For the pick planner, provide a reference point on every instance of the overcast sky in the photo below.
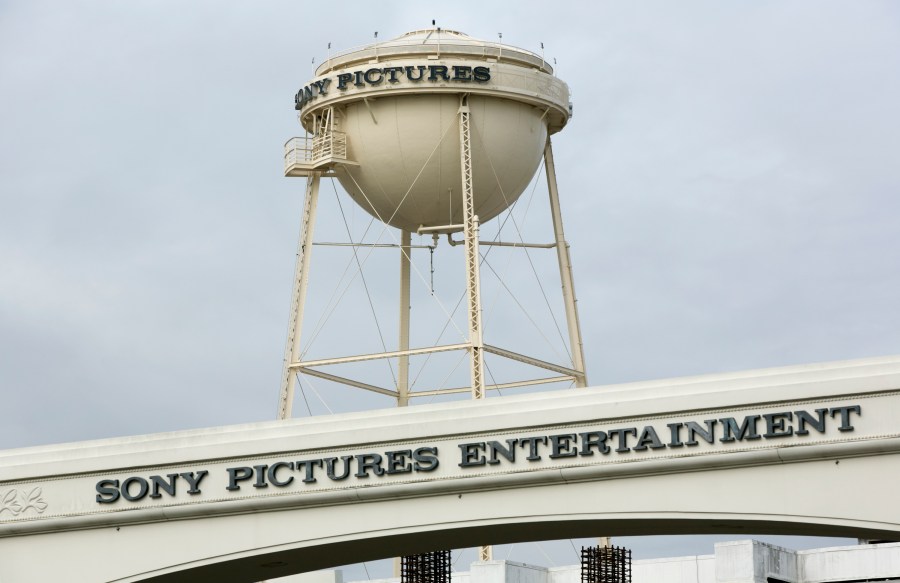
(729, 186)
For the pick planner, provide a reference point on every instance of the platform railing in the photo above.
(297, 151)
(312, 150)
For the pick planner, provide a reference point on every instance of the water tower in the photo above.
(433, 132)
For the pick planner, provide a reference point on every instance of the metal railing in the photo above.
(441, 41)
(310, 150)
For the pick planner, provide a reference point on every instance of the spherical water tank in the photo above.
(393, 109)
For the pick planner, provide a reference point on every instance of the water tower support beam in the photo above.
(403, 364)
(565, 271)
(473, 260)
(470, 233)
(298, 297)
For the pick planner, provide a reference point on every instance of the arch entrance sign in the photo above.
(802, 450)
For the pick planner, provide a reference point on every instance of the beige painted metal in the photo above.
(403, 344)
(473, 261)
(407, 173)
(532, 361)
(298, 297)
(434, 43)
(565, 272)
(350, 382)
(320, 150)
(773, 485)
(399, 136)
(473, 257)
(497, 386)
(403, 361)
(377, 355)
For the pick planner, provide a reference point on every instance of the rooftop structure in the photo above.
(745, 561)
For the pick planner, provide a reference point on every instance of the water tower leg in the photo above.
(565, 271)
(473, 259)
(486, 553)
(298, 297)
(403, 365)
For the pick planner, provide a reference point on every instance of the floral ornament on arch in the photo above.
(20, 501)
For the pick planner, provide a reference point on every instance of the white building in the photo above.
(746, 561)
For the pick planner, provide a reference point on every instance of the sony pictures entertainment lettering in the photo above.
(526, 449)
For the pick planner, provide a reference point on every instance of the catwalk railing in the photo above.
(310, 150)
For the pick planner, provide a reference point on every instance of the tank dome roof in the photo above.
(426, 33)
(434, 42)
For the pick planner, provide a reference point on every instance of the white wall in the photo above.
(856, 562)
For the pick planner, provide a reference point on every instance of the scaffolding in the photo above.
(605, 565)
(433, 567)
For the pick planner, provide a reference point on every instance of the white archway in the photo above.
(803, 450)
